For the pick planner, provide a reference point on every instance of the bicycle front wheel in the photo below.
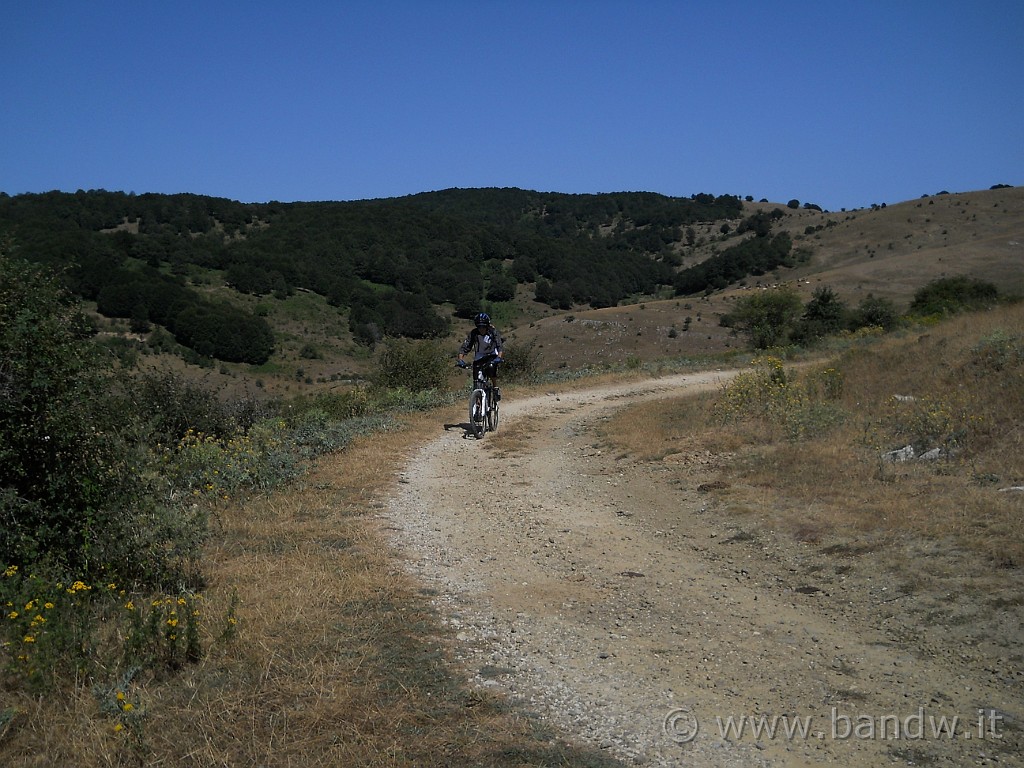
(477, 414)
(474, 407)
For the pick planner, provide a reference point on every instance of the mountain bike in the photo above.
(483, 400)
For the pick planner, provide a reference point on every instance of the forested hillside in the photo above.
(390, 263)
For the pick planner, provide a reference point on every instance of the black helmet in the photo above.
(483, 319)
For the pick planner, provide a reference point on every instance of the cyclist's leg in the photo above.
(493, 375)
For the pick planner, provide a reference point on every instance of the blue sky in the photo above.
(843, 104)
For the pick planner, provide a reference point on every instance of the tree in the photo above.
(225, 333)
(140, 319)
(875, 312)
(824, 315)
(766, 316)
(502, 288)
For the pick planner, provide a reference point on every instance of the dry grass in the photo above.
(337, 660)
(835, 486)
(889, 252)
(514, 440)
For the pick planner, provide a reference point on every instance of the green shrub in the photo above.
(176, 405)
(997, 351)
(413, 365)
(926, 422)
(949, 295)
(767, 317)
(874, 312)
(522, 362)
(74, 486)
(200, 465)
(824, 315)
(53, 629)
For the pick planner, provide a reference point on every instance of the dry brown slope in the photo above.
(889, 252)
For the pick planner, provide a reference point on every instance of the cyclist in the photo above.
(487, 346)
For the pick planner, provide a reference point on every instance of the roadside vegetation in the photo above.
(873, 439)
(183, 583)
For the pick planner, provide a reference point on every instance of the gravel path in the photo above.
(619, 607)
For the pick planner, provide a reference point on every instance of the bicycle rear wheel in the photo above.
(492, 416)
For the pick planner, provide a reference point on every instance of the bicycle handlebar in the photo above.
(483, 361)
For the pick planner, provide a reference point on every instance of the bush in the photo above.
(74, 490)
(201, 465)
(801, 406)
(176, 406)
(225, 333)
(998, 351)
(522, 362)
(824, 315)
(413, 365)
(949, 295)
(873, 312)
(55, 629)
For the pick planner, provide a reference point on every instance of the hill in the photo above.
(889, 252)
(289, 297)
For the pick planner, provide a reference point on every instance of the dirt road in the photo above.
(611, 599)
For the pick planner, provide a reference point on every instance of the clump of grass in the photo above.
(801, 404)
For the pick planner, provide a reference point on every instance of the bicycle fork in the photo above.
(478, 410)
